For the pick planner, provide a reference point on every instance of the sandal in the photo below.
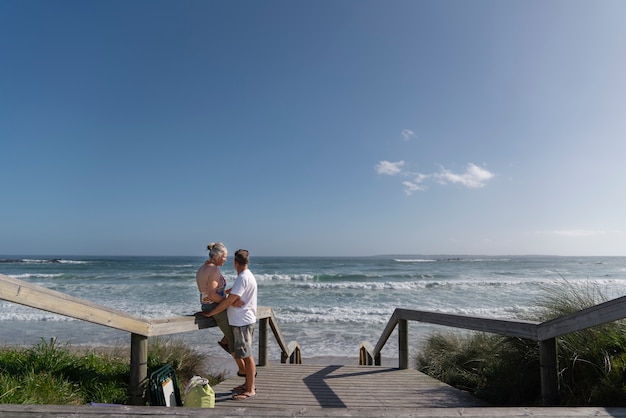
(242, 396)
(240, 389)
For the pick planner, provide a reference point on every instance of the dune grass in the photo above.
(52, 373)
(505, 370)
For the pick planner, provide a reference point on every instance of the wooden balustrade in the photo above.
(545, 333)
(34, 296)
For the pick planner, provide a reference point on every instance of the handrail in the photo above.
(602, 313)
(543, 332)
(39, 297)
(512, 328)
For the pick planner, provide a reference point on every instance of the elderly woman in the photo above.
(212, 287)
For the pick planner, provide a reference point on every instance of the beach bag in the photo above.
(199, 394)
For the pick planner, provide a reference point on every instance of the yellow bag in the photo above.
(199, 394)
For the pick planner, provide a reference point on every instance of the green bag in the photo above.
(199, 394)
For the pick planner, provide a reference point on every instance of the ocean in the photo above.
(328, 304)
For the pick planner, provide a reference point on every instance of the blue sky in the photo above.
(313, 127)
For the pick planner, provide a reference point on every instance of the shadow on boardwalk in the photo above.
(326, 391)
(341, 386)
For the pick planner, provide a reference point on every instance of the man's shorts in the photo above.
(243, 340)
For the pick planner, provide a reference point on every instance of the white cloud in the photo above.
(415, 185)
(474, 177)
(410, 187)
(388, 168)
(407, 134)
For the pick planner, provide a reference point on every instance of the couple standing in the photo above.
(234, 310)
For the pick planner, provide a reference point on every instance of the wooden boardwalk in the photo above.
(312, 386)
(326, 391)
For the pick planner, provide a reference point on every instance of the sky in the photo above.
(313, 128)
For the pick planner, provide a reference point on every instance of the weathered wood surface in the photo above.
(340, 386)
(39, 297)
(28, 294)
(513, 328)
(326, 391)
(55, 411)
(602, 313)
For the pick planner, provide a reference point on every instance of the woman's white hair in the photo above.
(216, 248)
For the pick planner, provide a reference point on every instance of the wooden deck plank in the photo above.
(340, 386)
(68, 411)
(289, 390)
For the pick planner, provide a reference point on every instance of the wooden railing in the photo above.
(545, 333)
(34, 296)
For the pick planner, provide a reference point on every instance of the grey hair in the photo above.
(216, 248)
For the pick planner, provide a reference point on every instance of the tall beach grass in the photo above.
(53, 373)
(505, 370)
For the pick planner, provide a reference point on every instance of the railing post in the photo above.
(403, 343)
(365, 355)
(549, 372)
(138, 369)
(263, 341)
(296, 354)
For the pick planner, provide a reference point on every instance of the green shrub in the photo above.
(49, 373)
(186, 361)
(496, 369)
(505, 370)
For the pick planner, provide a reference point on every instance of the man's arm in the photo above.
(223, 305)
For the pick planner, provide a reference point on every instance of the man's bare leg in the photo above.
(241, 366)
(248, 389)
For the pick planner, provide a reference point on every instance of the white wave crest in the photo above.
(333, 314)
(414, 260)
(8, 315)
(284, 277)
(51, 261)
(432, 260)
(34, 276)
(72, 262)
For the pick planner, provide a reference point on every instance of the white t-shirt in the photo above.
(245, 288)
